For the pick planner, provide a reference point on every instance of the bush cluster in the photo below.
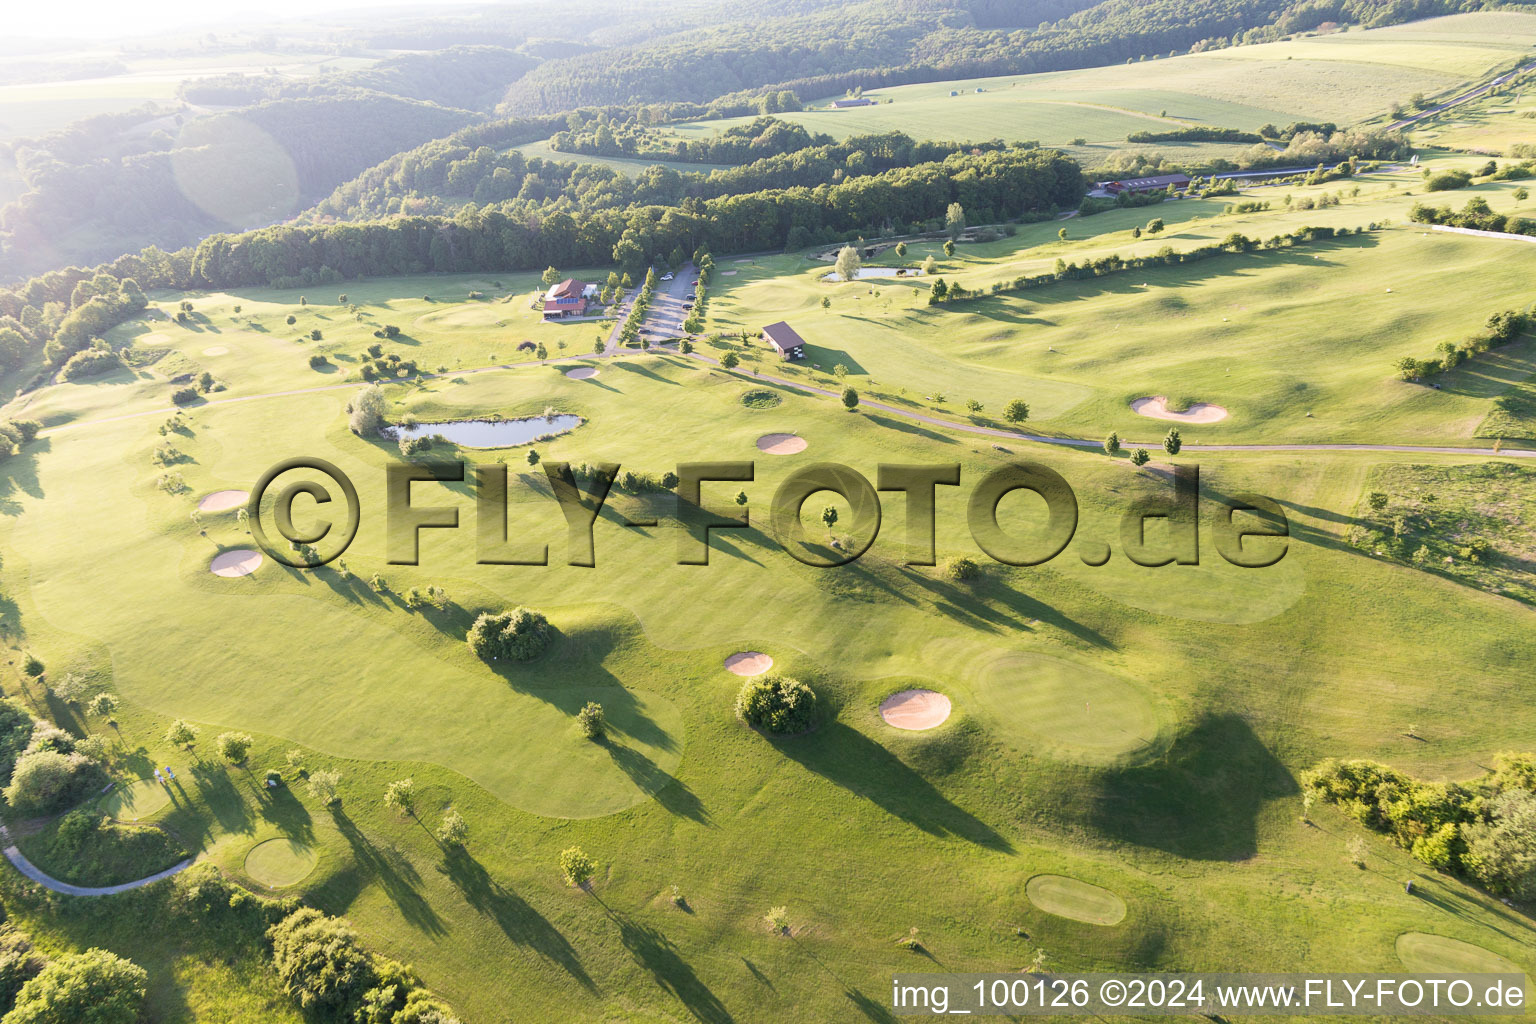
(1484, 830)
(777, 704)
(1500, 329)
(519, 635)
(1115, 263)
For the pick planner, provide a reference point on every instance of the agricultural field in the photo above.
(31, 109)
(1495, 124)
(555, 760)
(1343, 77)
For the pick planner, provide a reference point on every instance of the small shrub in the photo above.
(322, 786)
(453, 831)
(234, 746)
(590, 719)
(577, 867)
(961, 569)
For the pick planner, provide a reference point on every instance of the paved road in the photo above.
(1483, 234)
(1470, 94)
(33, 872)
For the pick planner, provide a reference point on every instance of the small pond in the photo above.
(491, 433)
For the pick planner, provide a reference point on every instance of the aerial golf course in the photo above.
(1086, 764)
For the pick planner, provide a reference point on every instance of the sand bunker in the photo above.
(1157, 409)
(215, 350)
(728, 273)
(223, 501)
(915, 709)
(582, 373)
(781, 444)
(239, 562)
(748, 663)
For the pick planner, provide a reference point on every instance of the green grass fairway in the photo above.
(1070, 712)
(1141, 727)
(1344, 77)
(1075, 900)
(135, 801)
(280, 863)
(1439, 954)
(1298, 344)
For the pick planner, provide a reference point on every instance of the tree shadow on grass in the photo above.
(657, 954)
(667, 790)
(909, 427)
(518, 921)
(1200, 800)
(393, 872)
(850, 759)
(279, 806)
(218, 793)
(995, 604)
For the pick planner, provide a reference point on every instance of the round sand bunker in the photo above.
(582, 373)
(781, 444)
(231, 564)
(915, 709)
(215, 350)
(748, 663)
(223, 501)
(1157, 408)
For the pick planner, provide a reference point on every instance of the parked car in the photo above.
(666, 277)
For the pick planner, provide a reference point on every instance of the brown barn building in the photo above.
(784, 339)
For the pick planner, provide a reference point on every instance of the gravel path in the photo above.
(33, 872)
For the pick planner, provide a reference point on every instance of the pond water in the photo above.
(865, 272)
(491, 433)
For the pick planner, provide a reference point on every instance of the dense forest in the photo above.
(438, 177)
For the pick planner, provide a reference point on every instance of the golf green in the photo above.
(1066, 711)
(1075, 900)
(136, 801)
(279, 863)
(1439, 954)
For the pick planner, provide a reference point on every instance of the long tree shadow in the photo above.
(218, 792)
(1200, 800)
(668, 790)
(518, 921)
(657, 954)
(393, 872)
(278, 805)
(850, 759)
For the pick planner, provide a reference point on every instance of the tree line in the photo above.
(1104, 266)
(55, 313)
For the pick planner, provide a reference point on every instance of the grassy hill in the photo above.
(1344, 77)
